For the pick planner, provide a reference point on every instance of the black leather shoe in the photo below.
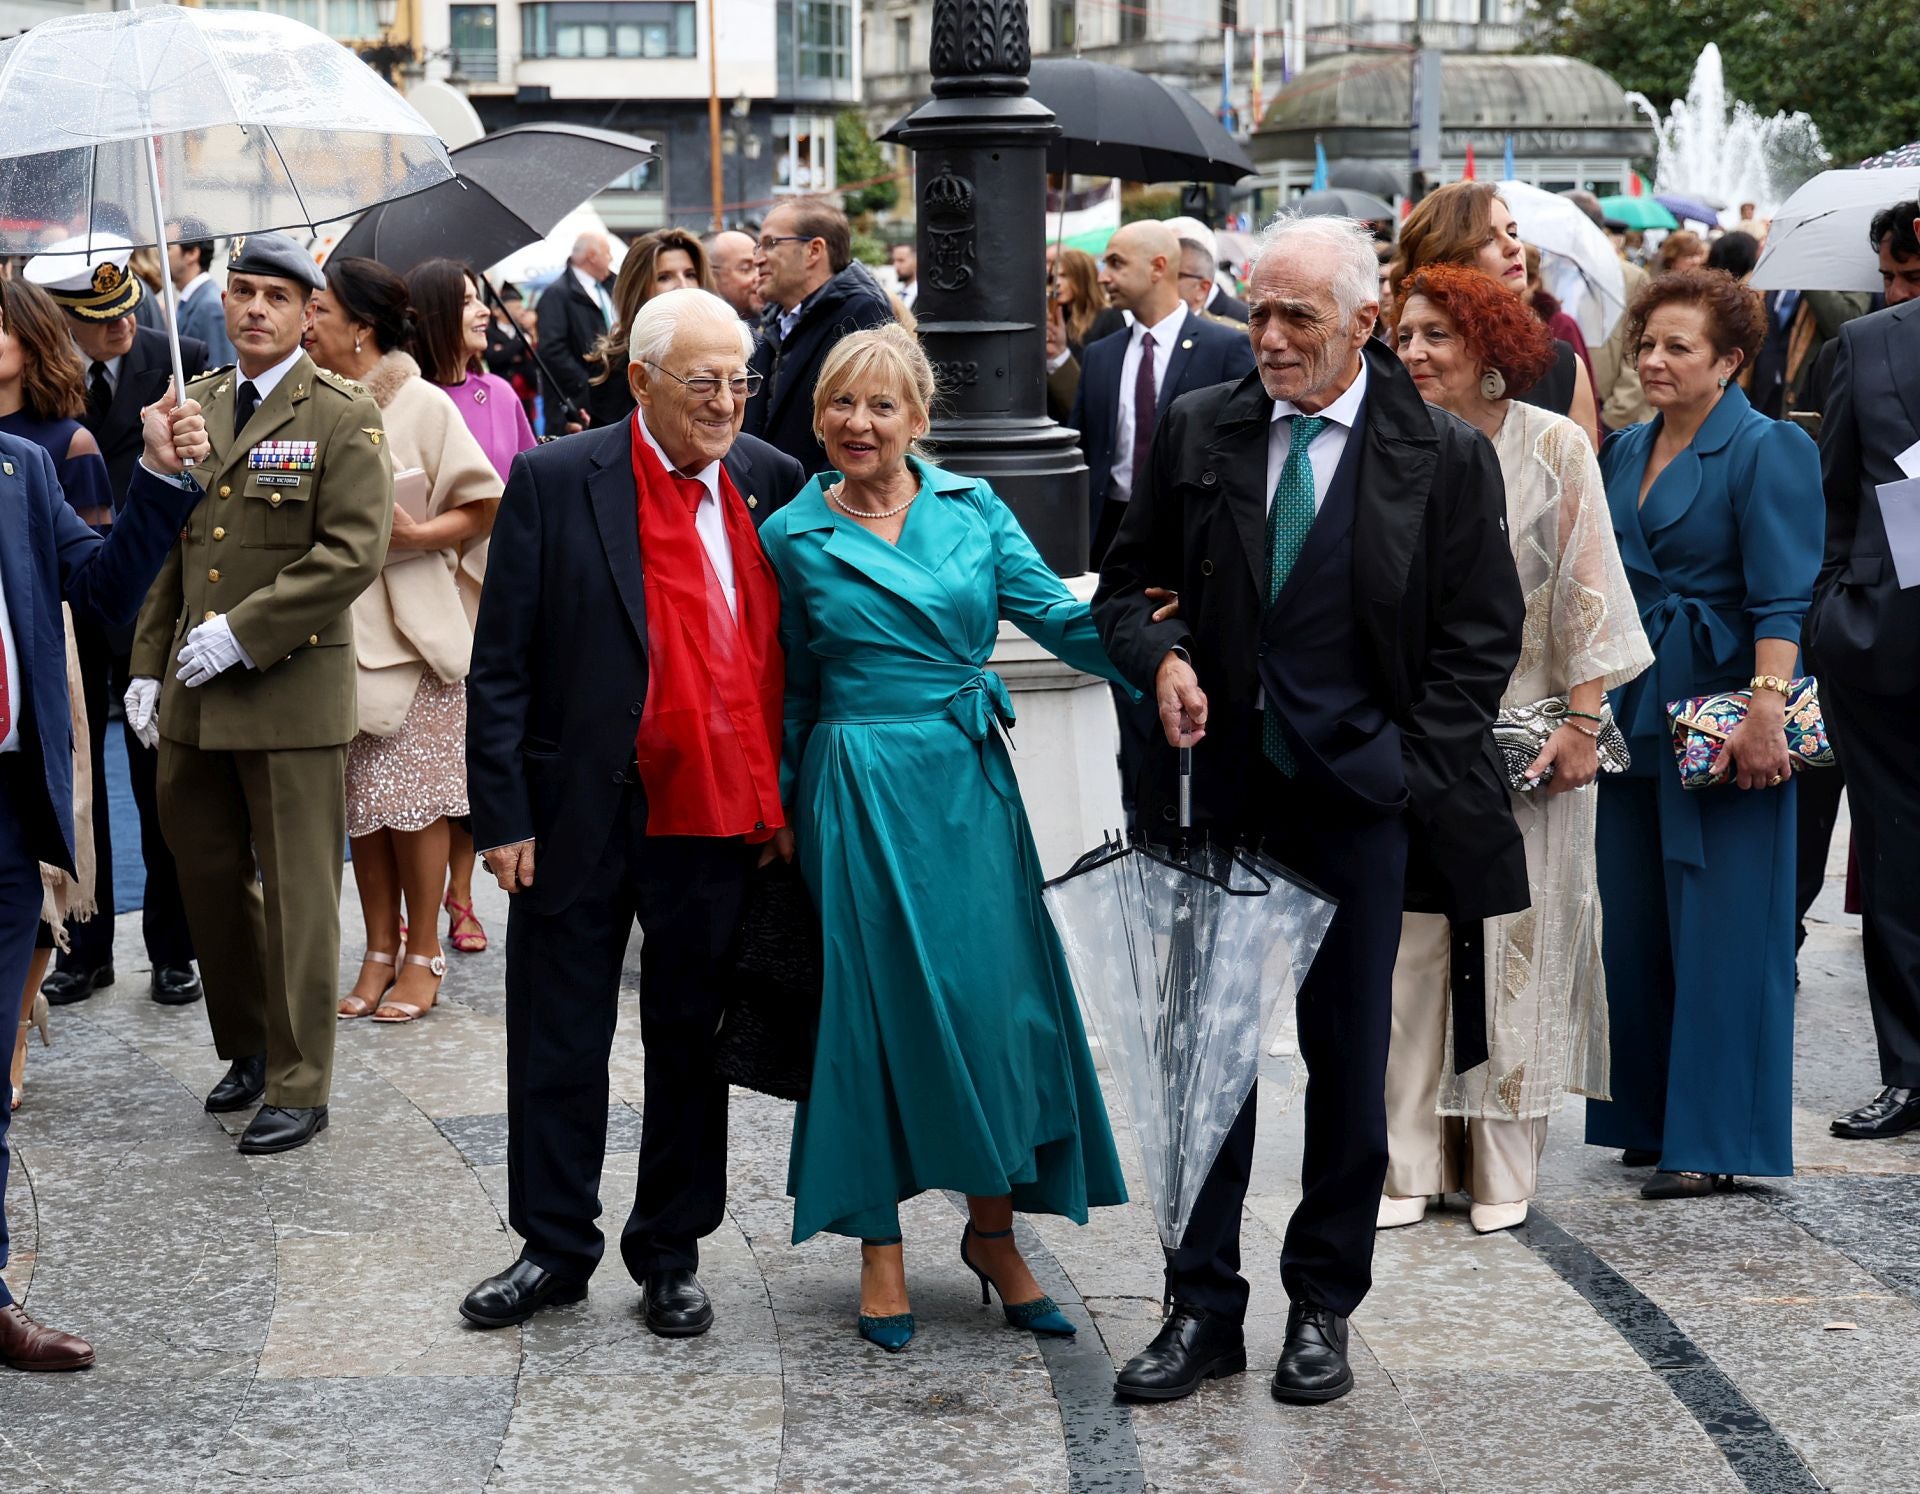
(245, 1084)
(175, 985)
(1313, 1364)
(516, 1294)
(281, 1128)
(1191, 1346)
(1686, 1184)
(677, 1305)
(1635, 1157)
(64, 987)
(1894, 1113)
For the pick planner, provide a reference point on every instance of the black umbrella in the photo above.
(1341, 202)
(1116, 122)
(510, 190)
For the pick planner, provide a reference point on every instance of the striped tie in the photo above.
(1289, 517)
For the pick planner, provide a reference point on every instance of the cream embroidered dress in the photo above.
(1546, 990)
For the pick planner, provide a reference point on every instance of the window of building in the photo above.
(1229, 12)
(1133, 20)
(608, 28)
(823, 39)
(1062, 12)
(803, 153)
(344, 20)
(903, 44)
(476, 42)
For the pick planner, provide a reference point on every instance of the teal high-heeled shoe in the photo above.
(1038, 1316)
(894, 1331)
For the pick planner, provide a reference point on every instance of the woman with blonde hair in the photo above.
(950, 1050)
(666, 259)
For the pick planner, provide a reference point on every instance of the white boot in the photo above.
(1487, 1219)
(1396, 1212)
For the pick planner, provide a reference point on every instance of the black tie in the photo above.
(99, 392)
(244, 404)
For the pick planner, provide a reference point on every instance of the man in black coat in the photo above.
(128, 367)
(1349, 617)
(574, 314)
(559, 682)
(1863, 642)
(816, 293)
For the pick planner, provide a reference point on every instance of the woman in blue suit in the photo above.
(1717, 511)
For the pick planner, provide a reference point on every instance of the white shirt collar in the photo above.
(265, 383)
(1166, 329)
(203, 278)
(113, 365)
(587, 283)
(708, 476)
(1342, 412)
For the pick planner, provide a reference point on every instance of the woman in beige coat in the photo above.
(413, 637)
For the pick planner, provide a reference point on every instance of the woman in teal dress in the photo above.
(1719, 518)
(951, 1053)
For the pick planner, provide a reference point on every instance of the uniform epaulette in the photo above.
(341, 382)
(210, 374)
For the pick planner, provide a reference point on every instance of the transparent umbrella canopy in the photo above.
(238, 119)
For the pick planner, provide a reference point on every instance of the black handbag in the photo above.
(773, 979)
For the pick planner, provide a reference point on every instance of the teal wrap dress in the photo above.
(951, 1053)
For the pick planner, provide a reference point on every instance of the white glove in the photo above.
(143, 705)
(210, 649)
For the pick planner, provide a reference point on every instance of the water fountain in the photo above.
(1724, 150)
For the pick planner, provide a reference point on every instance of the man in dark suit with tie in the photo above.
(128, 368)
(1127, 381)
(1863, 642)
(574, 315)
(199, 302)
(565, 688)
(1349, 617)
(48, 556)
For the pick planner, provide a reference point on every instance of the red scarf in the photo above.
(709, 739)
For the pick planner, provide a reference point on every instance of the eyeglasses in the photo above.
(706, 386)
(1203, 279)
(769, 242)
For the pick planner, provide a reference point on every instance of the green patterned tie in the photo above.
(1289, 517)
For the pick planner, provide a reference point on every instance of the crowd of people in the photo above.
(1416, 573)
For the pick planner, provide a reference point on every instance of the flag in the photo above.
(1319, 166)
(1467, 175)
(1506, 168)
(1226, 77)
(1255, 103)
(1635, 187)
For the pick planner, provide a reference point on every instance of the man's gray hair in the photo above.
(587, 242)
(1356, 272)
(660, 321)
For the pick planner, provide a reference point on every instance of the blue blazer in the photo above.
(204, 319)
(1205, 353)
(47, 556)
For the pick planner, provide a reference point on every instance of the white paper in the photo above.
(1900, 517)
(1909, 460)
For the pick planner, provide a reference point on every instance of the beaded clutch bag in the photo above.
(1702, 725)
(1521, 732)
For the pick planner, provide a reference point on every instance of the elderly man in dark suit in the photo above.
(128, 368)
(1863, 641)
(566, 688)
(1348, 618)
(48, 556)
(574, 313)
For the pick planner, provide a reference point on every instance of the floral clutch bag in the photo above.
(1521, 732)
(1702, 725)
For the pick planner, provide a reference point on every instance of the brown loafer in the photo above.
(25, 1345)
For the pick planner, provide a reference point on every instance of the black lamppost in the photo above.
(390, 56)
(979, 148)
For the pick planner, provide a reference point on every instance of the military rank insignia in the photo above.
(283, 456)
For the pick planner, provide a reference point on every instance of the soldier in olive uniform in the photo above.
(246, 645)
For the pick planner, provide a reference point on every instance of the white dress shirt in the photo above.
(15, 705)
(265, 383)
(1165, 331)
(1325, 450)
(709, 520)
(111, 368)
(596, 292)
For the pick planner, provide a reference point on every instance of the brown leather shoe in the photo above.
(25, 1345)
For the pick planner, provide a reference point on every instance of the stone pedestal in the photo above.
(1065, 744)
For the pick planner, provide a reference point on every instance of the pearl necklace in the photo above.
(833, 496)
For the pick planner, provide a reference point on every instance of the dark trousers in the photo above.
(1816, 811)
(163, 915)
(20, 896)
(1345, 1011)
(91, 946)
(563, 984)
(1875, 734)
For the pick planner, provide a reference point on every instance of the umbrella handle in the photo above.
(168, 293)
(567, 406)
(1186, 788)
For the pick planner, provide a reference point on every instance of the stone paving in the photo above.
(289, 1322)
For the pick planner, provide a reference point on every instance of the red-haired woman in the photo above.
(1467, 341)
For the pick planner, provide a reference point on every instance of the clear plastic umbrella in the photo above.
(1180, 957)
(241, 119)
(1578, 262)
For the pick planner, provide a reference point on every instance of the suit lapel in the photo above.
(16, 567)
(1899, 344)
(1333, 520)
(130, 395)
(1237, 460)
(1399, 456)
(1177, 362)
(1623, 500)
(616, 512)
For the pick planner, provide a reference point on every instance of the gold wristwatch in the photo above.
(1770, 682)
